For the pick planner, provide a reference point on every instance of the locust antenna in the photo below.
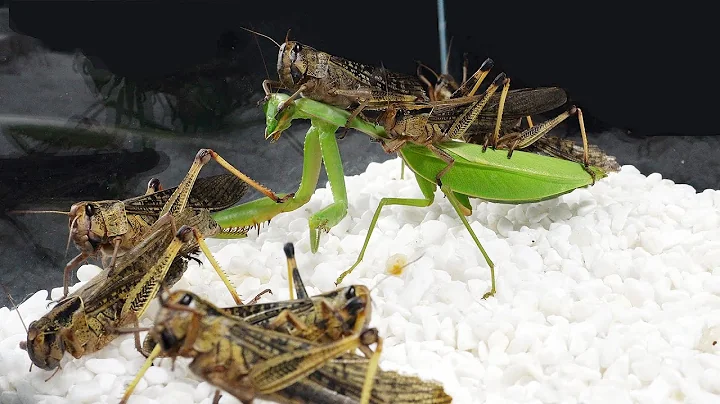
(262, 57)
(23, 344)
(21, 212)
(262, 35)
(15, 306)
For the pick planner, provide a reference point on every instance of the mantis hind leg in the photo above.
(427, 189)
(459, 209)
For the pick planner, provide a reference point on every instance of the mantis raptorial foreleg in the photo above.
(320, 144)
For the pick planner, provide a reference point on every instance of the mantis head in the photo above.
(276, 120)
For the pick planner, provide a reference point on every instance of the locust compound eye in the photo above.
(295, 52)
(167, 339)
(350, 293)
(354, 306)
(186, 300)
(89, 210)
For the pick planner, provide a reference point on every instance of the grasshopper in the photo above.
(339, 82)
(503, 114)
(87, 320)
(249, 361)
(112, 227)
(324, 318)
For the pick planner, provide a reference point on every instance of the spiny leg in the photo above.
(148, 362)
(532, 134)
(498, 121)
(462, 123)
(352, 116)
(479, 76)
(206, 250)
(373, 367)
(586, 153)
(178, 200)
(427, 189)
(444, 156)
(290, 100)
(459, 209)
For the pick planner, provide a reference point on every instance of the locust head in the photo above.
(94, 223)
(352, 311)
(46, 336)
(298, 63)
(177, 323)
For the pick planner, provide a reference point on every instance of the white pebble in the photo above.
(87, 271)
(605, 294)
(109, 365)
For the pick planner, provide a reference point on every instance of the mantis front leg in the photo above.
(320, 144)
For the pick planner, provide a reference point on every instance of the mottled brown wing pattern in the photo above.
(212, 193)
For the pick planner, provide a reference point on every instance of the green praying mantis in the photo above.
(488, 175)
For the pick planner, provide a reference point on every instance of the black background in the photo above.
(652, 71)
(646, 80)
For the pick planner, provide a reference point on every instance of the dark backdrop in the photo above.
(650, 71)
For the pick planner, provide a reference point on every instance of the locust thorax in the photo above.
(94, 223)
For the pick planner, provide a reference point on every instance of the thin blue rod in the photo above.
(443, 36)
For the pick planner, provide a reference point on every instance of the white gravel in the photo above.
(609, 294)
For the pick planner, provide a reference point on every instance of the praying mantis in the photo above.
(488, 175)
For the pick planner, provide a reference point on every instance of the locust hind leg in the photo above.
(479, 76)
(428, 190)
(283, 370)
(532, 134)
(148, 363)
(206, 250)
(460, 126)
(444, 156)
(178, 200)
(498, 121)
